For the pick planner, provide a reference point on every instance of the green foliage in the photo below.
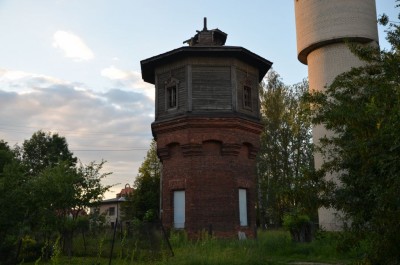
(298, 225)
(89, 190)
(45, 150)
(30, 249)
(56, 253)
(271, 247)
(6, 155)
(53, 192)
(295, 221)
(362, 108)
(42, 192)
(143, 204)
(285, 162)
(83, 223)
(61, 192)
(97, 221)
(13, 208)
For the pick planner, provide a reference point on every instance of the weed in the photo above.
(271, 247)
(55, 256)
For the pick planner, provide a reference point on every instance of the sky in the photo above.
(72, 67)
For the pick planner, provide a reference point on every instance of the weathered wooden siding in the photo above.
(207, 84)
(211, 88)
(180, 74)
(162, 78)
(249, 79)
(160, 92)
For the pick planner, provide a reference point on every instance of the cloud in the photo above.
(72, 46)
(22, 82)
(130, 80)
(112, 125)
(114, 73)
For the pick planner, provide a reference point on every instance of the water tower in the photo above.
(207, 128)
(322, 28)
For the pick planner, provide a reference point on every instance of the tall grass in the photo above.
(271, 247)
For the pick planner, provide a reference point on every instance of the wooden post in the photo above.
(112, 245)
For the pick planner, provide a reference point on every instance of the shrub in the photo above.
(299, 226)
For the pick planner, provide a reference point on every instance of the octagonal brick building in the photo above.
(207, 128)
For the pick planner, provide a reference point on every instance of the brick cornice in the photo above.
(253, 152)
(163, 153)
(209, 123)
(230, 149)
(192, 149)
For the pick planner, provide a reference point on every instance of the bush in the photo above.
(7, 249)
(30, 249)
(299, 226)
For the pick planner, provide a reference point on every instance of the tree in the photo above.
(13, 201)
(89, 190)
(144, 203)
(65, 191)
(45, 150)
(285, 158)
(43, 194)
(6, 155)
(60, 193)
(362, 108)
(53, 194)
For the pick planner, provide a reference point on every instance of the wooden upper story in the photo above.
(206, 78)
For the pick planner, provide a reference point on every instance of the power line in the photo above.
(69, 134)
(20, 129)
(109, 150)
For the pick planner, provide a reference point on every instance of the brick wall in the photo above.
(209, 158)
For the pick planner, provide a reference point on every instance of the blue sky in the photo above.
(73, 66)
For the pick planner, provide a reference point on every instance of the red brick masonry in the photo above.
(209, 158)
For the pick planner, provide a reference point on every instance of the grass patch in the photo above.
(271, 247)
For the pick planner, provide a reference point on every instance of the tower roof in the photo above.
(206, 43)
(149, 65)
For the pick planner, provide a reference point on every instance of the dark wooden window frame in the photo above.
(247, 97)
(171, 94)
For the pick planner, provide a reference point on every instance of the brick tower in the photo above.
(322, 28)
(207, 127)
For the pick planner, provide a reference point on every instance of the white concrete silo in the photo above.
(322, 26)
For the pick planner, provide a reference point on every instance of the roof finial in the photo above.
(205, 37)
(205, 24)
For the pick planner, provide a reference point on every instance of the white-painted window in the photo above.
(243, 207)
(179, 209)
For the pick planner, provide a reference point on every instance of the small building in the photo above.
(207, 127)
(111, 208)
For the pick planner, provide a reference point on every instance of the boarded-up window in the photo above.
(179, 209)
(247, 97)
(247, 91)
(171, 97)
(243, 207)
(171, 92)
